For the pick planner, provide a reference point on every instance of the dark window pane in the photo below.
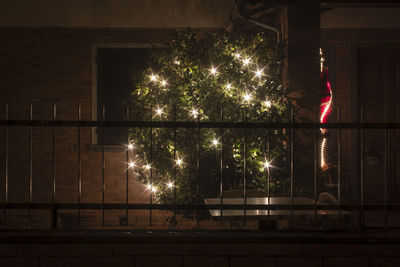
(117, 68)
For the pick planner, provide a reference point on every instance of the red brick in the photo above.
(346, 262)
(161, 261)
(299, 262)
(205, 261)
(19, 261)
(385, 261)
(253, 261)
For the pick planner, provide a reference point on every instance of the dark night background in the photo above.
(88, 53)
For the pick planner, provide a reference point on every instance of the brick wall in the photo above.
(200, 251)
(46, 66)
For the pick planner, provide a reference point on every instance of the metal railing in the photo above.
(358, 208)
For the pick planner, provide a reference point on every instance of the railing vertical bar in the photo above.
(361, 219)
(127, 169)
(30, 164)
(268, 172)
(151, 170)
(103, 116)
(339, 162)
(386, 168)
(79, 168)
(198, 170)
(316, 167)
(291, 163)
(5, 167)
(175, 167)
(221, 162)
(244, 166)
(53, 148)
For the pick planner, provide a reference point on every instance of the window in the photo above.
(117, 71)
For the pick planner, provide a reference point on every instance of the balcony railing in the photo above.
(241, 208)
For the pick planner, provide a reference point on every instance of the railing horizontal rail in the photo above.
(99, 206)
(186, 124)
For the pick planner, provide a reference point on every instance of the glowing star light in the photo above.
(213, 71)
(237, 55)
(147, 166)
(215, 142)
(247, 97)
(148, 186)
(246, 61)
(153, 78)
(170, 185)
(228, 86)
(258, 73)
(194, 112)
(130, 146)
(268, 103)
(266, 164)
(163, 82)
(153, 189)
(179, 162)
(131, 164)
(159, 111)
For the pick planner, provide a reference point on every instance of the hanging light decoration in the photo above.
(326, 108)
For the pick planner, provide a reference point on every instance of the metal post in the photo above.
(386, 168)
(316, 166)
(103, 186)
(5, 167)
(53, 138)
(361, 217)
(291, 162)
(79, 168)
(221, 162)
(30, 165)
(127, 169)
(151, 170)
(198, 169)
(339, 159)
(244, 167)
(175, 170)
(268, 172)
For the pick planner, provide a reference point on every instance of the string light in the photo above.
(148, 186)
(159, 111)
(164, 83)
(213, 71)
(215, 142)
(153, 189)
(259, 73)
(266, 164)
(326, 109)
(246, 61)
(131, 164)
(170, 184)
(327, 105)
(323, 144)
(237, 55)
(194, 112)
(147, 166)
(179, 162)
(247, 97)
(228, 86)
(268, 103)
(322, 59)
(153, 78)
(130, 146)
